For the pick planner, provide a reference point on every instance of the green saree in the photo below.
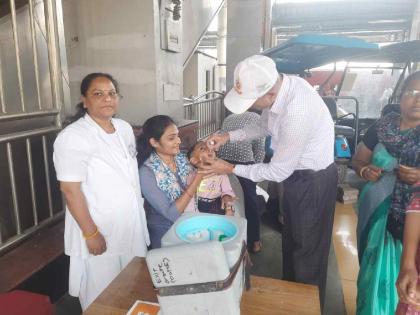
(379, 252)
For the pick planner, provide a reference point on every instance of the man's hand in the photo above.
(215, 141)
(216, 167)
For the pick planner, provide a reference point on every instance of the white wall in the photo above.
(191, 77)
(205, 63)
(195, 74)
(196, 15)
(123, 38)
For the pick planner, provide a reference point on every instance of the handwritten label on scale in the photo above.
(162, 273)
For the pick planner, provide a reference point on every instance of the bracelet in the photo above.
(87, 237)
(188, 194)
(364, 168)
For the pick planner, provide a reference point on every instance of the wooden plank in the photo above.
(274, 297)
(267, 296)
(25, 260)
(133, 283)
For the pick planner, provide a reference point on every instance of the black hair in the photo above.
(191, 150)
(84, 87)
(154, 127)
(412, 77)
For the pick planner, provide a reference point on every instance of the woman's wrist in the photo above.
(408, 265)
(91, 235)
(408, 257)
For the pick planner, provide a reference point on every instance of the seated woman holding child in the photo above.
(168, 181)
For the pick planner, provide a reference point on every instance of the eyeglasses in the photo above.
(103, 94)
(412, 93)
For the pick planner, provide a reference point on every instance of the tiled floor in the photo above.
(268, 263)
(342, 263)
(345, 245)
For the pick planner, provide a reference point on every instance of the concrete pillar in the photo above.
(415, 30)
(221, 49)
(124, 38)
(245, 27)
(415, 25)
(268, 8)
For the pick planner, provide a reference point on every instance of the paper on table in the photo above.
(144, 308)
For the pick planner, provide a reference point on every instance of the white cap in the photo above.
(253, 77)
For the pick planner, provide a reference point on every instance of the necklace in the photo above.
(169, 163)
(172, 166)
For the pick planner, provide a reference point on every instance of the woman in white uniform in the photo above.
(95, 162)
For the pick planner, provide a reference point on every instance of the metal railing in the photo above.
(29, 194)
(30, 209)
(356, 115)
(208, 109)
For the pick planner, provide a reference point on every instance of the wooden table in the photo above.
(267, 296)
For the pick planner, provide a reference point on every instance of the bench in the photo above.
(38, 265)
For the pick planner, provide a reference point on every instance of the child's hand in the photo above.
(227, 200)
(230, 212)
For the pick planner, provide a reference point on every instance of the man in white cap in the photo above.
(302, 134)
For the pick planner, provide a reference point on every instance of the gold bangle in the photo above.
(364, 168)
(87, 237)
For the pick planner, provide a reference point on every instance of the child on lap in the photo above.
(215, 193)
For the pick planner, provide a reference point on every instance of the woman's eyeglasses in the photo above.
(412, 93)
(103, 94)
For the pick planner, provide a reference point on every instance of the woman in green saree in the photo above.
(389, 159)
(408, 283)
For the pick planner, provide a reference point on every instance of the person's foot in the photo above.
(257, 247)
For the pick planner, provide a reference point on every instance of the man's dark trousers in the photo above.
(309, 204)
(252, 206)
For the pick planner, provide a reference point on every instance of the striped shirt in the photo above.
(302, 133)
(242, 151)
